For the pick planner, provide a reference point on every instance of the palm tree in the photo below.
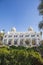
(40, 26)
(40, 7)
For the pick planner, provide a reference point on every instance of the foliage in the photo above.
(1, 36)
(40, 7)
(19, 56)
(40, 26)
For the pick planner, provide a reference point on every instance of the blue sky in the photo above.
(20, 14)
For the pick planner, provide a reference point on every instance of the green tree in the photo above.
(40, 7)
(40, 26)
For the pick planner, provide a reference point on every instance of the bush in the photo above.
(20, 56)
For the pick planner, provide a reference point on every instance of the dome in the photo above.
(8, 32)
(13, 29)
(30, 29)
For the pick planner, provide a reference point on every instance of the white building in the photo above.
(26, 39)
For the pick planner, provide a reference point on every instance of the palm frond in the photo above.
(40, 26)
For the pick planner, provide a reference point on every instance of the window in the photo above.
(37, 35)
(26, 35)
(21, 35)
(5, 41)
(21, 42)
(38, 39)
(34, 41)
(5, 35)
(15, 35)
(10, 36)
(15, 41)
(10, 41)
(32, 35)
(27, 41)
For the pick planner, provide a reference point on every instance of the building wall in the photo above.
(18, 39)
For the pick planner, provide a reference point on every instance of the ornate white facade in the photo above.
(26, 39)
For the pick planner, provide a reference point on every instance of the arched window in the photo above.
(15, 41)
(33, 41)
(21, 42)
(10, 41)
(27, 41)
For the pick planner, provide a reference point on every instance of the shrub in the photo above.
(20, 56)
